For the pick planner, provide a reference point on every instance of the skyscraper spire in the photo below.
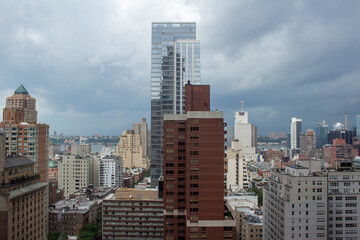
(21, 90)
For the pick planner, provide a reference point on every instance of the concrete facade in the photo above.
(141, 129)
(133, 214)
(74, 173)
(295, 204)
(110, 172)
(81, 149)
(130, 150)
(237, 172)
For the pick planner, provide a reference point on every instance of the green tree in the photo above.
(258, 193)
(53, 236)
(91, 231)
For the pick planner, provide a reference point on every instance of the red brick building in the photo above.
(194, 171)
(339, 153)
(23, 136)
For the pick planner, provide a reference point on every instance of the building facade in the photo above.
(295, 132)
(74, 173)
(68, 216)
(23, 199)
(237, 172)
(133, 214)
(295, 204)
(129, 149)
(339, 154)
(305, 202)
(81, 149)
(21, 99)
(23, 135)
(110, 172)
(347, 135)
(321, 131)
(175, 59)
(308, 143)
(248, 216)
(194, 171)
(358, 125)
(245, 132)
(141, 129)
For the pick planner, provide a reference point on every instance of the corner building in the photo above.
(194, 171)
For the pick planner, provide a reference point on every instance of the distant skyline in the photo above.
(88, 65)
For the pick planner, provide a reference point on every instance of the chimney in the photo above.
(346, 122)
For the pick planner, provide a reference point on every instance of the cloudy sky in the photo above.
(88, 62)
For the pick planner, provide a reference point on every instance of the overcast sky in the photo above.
(88, 62)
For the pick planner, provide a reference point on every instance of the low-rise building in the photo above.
(248, 216)
(69, 216)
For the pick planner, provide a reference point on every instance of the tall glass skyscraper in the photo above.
(321, 133)
(358, 125)
(175, 60)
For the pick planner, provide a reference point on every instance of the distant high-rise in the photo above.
(175, 60)
(308, 143)
(22, 99)
(295, 131)
(130, 150)
(321, 131)
(141, 128)
(358, 125)
(245, 132)
(348, 135)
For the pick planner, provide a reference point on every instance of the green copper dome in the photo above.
(21, 90)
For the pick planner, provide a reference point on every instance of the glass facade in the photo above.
(175, 59)
(321, 132)
(358, 125)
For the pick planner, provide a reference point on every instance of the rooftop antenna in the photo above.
(242, 105)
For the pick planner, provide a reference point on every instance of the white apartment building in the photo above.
(295, 204)
(245, 132)
(295, 132)
(344, 202)
(110, 172)
(237, 173)
(73, 174)
(304, 202)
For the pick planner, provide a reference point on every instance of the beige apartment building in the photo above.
(237, 173)
(141, 128)
(248, 216)
(74, 173)
(80, 149)
(130, 150)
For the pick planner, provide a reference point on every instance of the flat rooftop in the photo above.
(26, 190)
(12, 162)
